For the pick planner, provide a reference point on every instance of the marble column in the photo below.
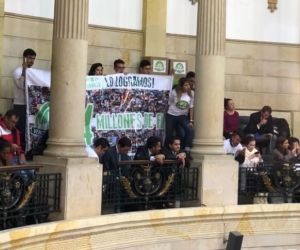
(68, 76)
(219, 172)
(154, 27)
(210, 77)
(81, 185)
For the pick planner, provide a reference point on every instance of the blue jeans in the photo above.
(180, 132)
(26, 175)
(172, 122)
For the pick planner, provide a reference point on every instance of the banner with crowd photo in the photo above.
(117, 105)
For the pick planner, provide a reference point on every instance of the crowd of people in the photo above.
(261, 131)
(177, 103)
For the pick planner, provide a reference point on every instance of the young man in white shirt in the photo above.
(98, 149)
(233, 145)
(19, 74)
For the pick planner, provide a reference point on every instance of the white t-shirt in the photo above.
(230, 149)
(182, 106)
(19, 87)
(91, 152)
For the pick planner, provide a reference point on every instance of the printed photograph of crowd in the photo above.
(37, 96)
(122, 101)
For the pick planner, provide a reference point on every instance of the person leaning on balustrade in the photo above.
(151, 151)
(283, 154)
(173, 152)
(231, 118)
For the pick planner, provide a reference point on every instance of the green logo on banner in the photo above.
(179, 68)
(42, 117)
(159, 66)
(88, 134)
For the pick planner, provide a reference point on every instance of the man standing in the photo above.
(145, 67)
(119, 66)
(19, 91)
(261, 126)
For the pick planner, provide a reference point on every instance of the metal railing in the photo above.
(27, 197)
(270, 183)
(142, 185)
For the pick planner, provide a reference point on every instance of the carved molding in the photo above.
(272, 5)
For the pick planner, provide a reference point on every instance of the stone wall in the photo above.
(105, 45)
(257, 73)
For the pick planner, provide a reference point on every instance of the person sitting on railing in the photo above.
(98, 149)
(9, 132)
(150, 151)
(181, 103)
(116, 153)
(173, 152)
(4, 153)
(282, 153)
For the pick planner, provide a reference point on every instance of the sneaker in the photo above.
(188, 156)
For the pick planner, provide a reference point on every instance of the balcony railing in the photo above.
(270, 183)
(27, 197)
(142, 185)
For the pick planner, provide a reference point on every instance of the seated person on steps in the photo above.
(261, 126)
(283, 154)
(5, 159)
(9, 132)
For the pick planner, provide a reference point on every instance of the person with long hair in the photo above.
(96, 70)
(181, 103)
(252, 155)
(231, 118)
(282, 153)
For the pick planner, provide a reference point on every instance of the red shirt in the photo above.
(231, 122)
(9, 136)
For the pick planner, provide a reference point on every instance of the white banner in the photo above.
(131, 105)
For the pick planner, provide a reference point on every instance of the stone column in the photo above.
(68, 76)
(154, 26)
(219, 174)
(210, 77)
(81, 186)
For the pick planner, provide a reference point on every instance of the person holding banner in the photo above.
(119, 66)
(29, 56)
(181, 112)
(96, 70)
(145, 67)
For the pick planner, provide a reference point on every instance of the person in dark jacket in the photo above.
(173, 152)
(150, 151)
(261, 126)
(116, 153)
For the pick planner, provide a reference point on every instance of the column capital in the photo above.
(71, 19)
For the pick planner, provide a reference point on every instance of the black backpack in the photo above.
(282, 127)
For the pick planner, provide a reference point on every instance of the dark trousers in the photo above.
(183, 120)
(21, 126)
